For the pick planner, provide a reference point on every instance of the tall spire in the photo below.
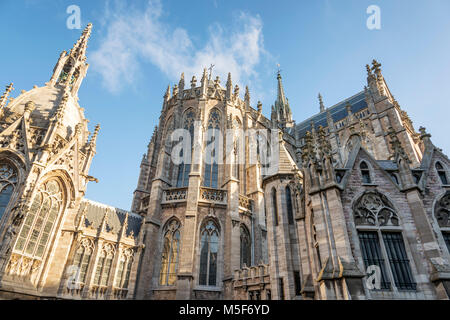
(280, 93)
(79, 49)
(282, 108)
(71, 67)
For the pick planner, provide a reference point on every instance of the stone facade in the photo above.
(351, 203)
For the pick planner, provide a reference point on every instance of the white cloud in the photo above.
(134, 37)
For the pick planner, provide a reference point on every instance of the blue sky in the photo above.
(137, 48)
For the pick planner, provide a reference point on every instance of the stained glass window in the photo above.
(290, 213)
(124, 269)
(8, 180)
(185, 167)
(40, 219)
(104, 265)
(211, 172)
(246, 247)
(209, 247)
(169, 257)
(82, 258)
(274, 207)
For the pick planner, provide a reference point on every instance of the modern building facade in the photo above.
(352, 203)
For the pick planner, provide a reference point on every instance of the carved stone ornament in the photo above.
(374, 209)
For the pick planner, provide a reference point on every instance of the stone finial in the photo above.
(369, 72)
(204, 75)
(247, 95)
(93, 140)
(259, 106)
(175, 90)
(376, 66)
(29, 107)
(236, 91)
(322, 107)
(167, 93)
(217, 82)
(181, 80)
(229, 86)
(4, 97)
(397, 146)
(193, 82)
(229, 83)
(424, 135)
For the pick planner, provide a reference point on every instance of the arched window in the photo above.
(442, 215)
(209, 247)
(185, 167)
(290, 213)
(104, 265)
(441, 172)
(40, 219)
(169, 257)
(8, 180)
(365, 172)
(274, 207)
(124, 269)
(381, 240)
(82, 258)
(210, 176)
(246, 247)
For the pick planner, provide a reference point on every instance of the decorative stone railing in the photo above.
(75, 290)
(254, 272)
(245, 203)
(362, 113)
(174, 195)
(211, 195)
(120, 293)
(98, 292)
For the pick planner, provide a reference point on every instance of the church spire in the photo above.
(71, 67)
(282, 109)
(79, 49)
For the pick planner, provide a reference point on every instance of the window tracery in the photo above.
(169, 257)
(39, 222)
(209, 247)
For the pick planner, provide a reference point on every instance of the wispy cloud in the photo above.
(134, 37)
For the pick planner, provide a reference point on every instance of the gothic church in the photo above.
(358, 206)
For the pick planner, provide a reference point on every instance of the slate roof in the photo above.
(338, 112)
(95, 212)
(387, 164)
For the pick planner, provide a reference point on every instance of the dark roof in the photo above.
(95, 212)
(338, 112)
(387, 164)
